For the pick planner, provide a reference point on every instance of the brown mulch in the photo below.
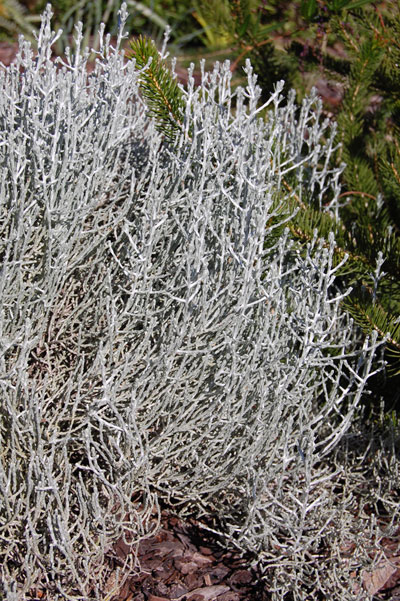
(186, 562)
(183, 561)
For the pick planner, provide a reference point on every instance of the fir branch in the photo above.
(159, 87)
(371, 317)
(351, 118)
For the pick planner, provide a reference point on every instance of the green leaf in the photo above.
(159, 88)
(263, 32)
(370, 316)
(241, 30)
(357, 4)
(308, 9)
(336, 6)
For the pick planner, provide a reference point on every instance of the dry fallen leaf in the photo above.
(384, 576)
(206, 593)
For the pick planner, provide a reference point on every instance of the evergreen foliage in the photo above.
(369, 138)
(159, 88)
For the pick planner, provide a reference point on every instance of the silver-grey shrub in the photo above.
(157, 341)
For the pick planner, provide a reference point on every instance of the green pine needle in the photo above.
(372, 316)
(160, 89)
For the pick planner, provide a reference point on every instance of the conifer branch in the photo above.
(373, 317)
(159, 87)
